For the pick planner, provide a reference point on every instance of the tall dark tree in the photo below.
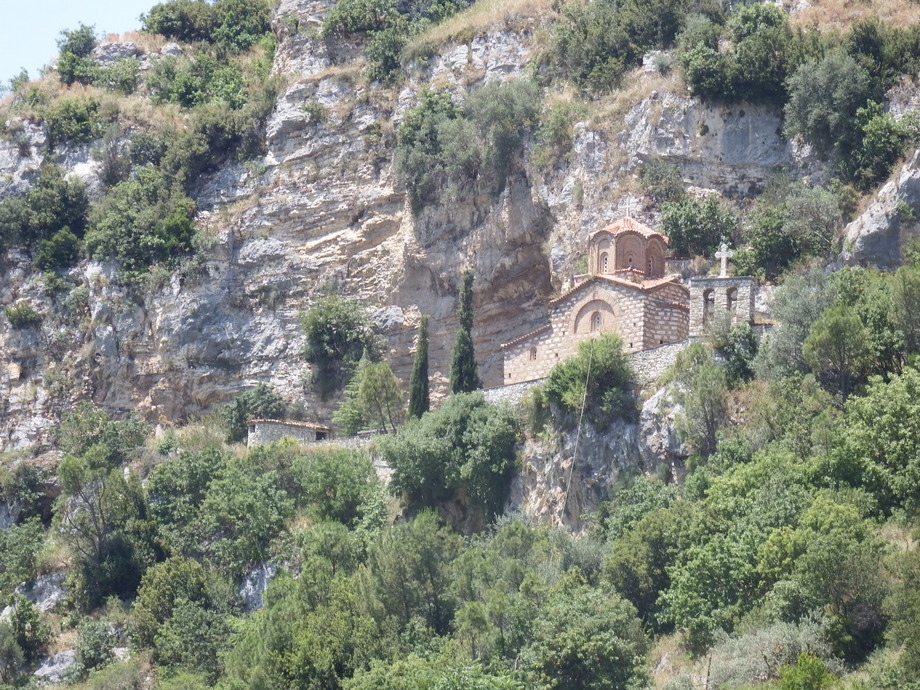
(464, 375)
(418, 383)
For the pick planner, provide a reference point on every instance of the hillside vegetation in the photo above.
(779, 552)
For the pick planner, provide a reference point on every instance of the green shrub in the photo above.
(73, 121)
(335, 483)
(763, 52)
(349, 17)
(883, 139)
(697, 227)
(23, 315)
(601, 365)
(183, 20)
(555, 136)
(465, 445)
(122, 75)
(12, 659)
(95, 646)
(420, 148)
(447, 152)
(18, 545)
(260, 402)
(204, 79)
(142, 221)
(337, 333)
(662, 181)
(384, 52)
(230, 24)
(50, 206)
(74, 62)
(59, 251)
(824, 96)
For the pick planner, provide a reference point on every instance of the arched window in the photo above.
(604, 263)
(731, 299)
(709, 304)
(533, 354)
(651, 267)
(596, 322)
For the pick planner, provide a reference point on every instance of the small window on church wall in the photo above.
(604, 263)
(651, 267)
(596, 321)
(533, 354)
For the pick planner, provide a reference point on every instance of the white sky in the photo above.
(29, 29)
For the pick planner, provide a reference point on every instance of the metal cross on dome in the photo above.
(724, 254)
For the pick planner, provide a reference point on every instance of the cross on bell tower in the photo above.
(724, 254)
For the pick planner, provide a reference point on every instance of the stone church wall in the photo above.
(642, 320)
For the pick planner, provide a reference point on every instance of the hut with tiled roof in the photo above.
(626, 291)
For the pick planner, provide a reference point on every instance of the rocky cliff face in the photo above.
(879, 235)
(324, 212)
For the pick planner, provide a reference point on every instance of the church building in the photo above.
(625, 291)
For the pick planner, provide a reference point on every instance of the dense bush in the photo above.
(230, 24)
(337, 333)
(192, 82)
(239, 503)
(791, 221)
(53, 205)
(262, 402)
(596, 42)
(824, 96)
(74, 62)
(697, 227)
(763, 52)
(141, 221)
(465, 446)
(598, 379)
(23, 315)
(445, 151)
(74, 120)
(336, 483)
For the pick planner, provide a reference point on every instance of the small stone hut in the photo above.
(626, 291)
(264, 431)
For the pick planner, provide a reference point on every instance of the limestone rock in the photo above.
(173, 49)
(108, 52)
(879, 235)
(46, 591)
(254, 585)
(56, 668)
(730, 148)
(561, 486)
(659, 444)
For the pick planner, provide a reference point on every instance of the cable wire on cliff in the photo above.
(581, 416)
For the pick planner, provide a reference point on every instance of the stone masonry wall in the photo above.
(558, 342)
(642, 320)
(265, 432)
(720, 287)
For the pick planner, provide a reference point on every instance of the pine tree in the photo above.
(418, 383)
(464, 375)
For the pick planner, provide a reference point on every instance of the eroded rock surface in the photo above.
(878, 236)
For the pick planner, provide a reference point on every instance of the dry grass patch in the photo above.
(607, 114)
(482, 17)
(147, 43)
(840, 15)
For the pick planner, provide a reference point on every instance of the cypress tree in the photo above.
(418, 382)
(464, 375)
